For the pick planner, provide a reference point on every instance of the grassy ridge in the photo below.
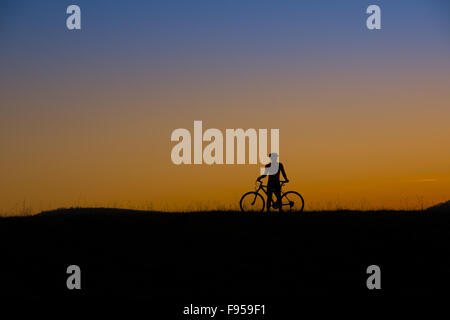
(139, 254)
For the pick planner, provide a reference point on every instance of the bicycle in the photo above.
(253, 201)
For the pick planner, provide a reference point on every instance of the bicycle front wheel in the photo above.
(252, 202)
(292, 202)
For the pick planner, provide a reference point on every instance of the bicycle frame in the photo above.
(263, 187)
(274, 203)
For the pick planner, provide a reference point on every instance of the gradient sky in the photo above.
(86, 116)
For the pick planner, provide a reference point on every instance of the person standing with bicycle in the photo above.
(273, 170)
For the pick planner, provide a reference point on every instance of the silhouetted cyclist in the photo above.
(273, 184)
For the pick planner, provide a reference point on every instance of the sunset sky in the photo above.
(86, 116)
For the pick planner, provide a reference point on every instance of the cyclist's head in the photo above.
(273, 156)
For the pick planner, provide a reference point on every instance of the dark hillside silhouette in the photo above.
(138, 254)
(444, 206)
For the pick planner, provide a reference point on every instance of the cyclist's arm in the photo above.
(284, 173)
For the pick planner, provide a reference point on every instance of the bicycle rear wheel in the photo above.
(292, 202)
(252, 202)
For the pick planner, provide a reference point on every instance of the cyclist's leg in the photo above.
(277, 192)
(269, 198)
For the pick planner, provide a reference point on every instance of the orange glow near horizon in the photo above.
(362, 148)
